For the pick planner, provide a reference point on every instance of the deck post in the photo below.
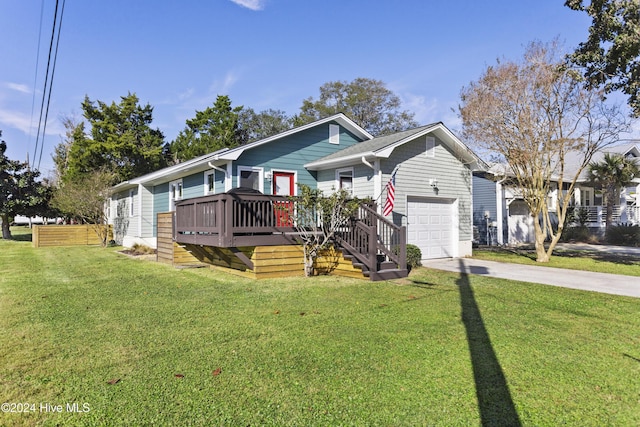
(373, 244)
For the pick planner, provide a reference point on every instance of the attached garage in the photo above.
(432, 225)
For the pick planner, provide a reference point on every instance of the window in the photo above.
(250, 178)
(131, 205)
(209, 182)
(431, 146)
(345, 180)
(334, 134)
(586, 198)
(175, 193)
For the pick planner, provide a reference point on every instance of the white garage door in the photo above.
(430, 226)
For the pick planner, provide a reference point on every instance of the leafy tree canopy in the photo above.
(210, 130)
(20, 191)
(264, 124)
(366, 101)
(610, 174)
(120, 141)
(611, 55)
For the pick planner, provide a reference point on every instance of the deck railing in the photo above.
(232, 220)
(235, 220)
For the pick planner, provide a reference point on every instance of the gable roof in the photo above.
(340, 118)
(201, 163)
(382, 147)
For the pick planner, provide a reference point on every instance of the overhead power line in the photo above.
(48, 82)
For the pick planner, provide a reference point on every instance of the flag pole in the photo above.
(385, 187)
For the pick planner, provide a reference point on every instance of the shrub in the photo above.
(624, 235)
(414, 255)
(576, 234)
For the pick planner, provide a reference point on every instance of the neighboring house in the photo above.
(502, 217)
(433, 196)
(433, 184)
(272, 165)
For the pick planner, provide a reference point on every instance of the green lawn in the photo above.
(141, 343)
(574, 260)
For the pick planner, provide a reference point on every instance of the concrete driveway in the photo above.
(587, 281)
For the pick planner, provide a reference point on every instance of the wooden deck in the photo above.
(219, 228)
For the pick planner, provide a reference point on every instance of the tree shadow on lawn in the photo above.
(494, 398)
(615, 258)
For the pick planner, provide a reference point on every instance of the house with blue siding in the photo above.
(432, 170)
(273, 165)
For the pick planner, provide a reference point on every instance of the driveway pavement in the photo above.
(597, 282)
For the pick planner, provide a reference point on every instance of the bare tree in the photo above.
(536, 115)
(318, 219)
(87, 198)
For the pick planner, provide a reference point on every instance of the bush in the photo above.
(624, 235)
(414, 255)
(576, 234)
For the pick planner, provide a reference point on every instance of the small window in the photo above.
(250, 178)
(131, 204)
(210, 182)
(175, 193)
(431, 146)
(345, 180)
(334, 134)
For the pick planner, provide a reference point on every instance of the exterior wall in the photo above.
(292, 152)
(484, 200)
(363, 177)
(146, 207)
(416, 173)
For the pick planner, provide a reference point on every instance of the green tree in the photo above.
(20, 191)
(366, 101)
(214, 128)
(610, 175)
(611, 55)
(86, 198)
(264, 124)
(120, 141)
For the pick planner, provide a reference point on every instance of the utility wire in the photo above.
(35, 81)
(53, 71)
(46, 81)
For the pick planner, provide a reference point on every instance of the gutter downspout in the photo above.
(227, 174)
(500, 213)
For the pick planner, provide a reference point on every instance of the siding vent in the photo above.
(431, 146)
(334, 134)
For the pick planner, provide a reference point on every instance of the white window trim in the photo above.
(334, 134)
(207, 174)
(430, 146)
(337, 178)
(172, 201)
(260, 171)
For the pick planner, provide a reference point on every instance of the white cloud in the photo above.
(224, 87)
(18, 87)
(14, 120)
(251, 4)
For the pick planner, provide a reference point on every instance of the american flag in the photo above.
(391, 196)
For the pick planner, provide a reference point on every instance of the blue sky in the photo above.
(178, 56)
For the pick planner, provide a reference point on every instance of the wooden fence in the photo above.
(66, 235)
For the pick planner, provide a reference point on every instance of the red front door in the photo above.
(283, 185)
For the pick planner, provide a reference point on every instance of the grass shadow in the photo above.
(494, 398)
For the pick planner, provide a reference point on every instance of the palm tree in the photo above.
(612, 173)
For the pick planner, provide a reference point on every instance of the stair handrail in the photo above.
(370, 234)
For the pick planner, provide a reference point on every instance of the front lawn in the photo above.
(600, 262)
(135, 342)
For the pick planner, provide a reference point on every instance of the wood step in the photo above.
(388, 274)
